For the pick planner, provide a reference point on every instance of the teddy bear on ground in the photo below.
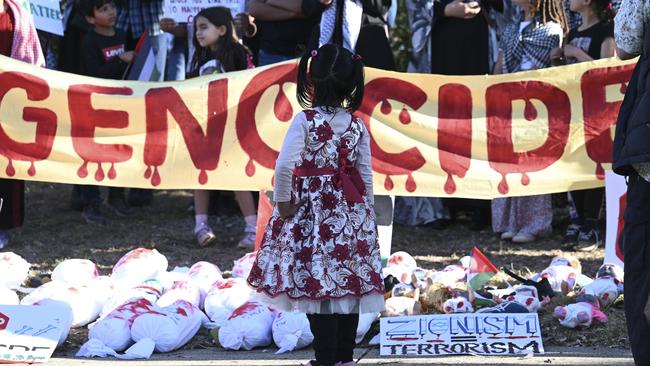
(562, 273)
(580, 315)
(607, 286)
(526, 296)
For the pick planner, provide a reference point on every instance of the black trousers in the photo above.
(334, 337)
(636, 247)
(588, 202)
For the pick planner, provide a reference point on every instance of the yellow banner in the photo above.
(476, 136)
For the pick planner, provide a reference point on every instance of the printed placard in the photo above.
(461, 334)
(29, 334)
(47, 15)
(183, 11)
(616, 196)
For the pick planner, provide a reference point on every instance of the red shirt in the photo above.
(6, 32)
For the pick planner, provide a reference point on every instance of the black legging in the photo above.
(334, 337)
(588, 202)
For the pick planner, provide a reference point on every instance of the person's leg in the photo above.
(202, 230)
(116, 202)
(636, 245)
(92, 212)
(324, 329)
(346, 337)
(247, 206)
(533, 216)
(589, 237)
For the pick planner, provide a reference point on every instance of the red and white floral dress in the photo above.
(325, 258)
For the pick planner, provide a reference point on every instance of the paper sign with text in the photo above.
(616, 196)
(29, 334)
(460, 334)
(183, 11)
(47, 15)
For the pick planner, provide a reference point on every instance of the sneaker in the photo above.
(4, 239)
(204, 236)
(93, 214)
(248, 241)
(571, 236)
(523, 238)
(588, 241)
(310, 363)
(118, 207)
(508, 235)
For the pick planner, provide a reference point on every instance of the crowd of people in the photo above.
(448, 37)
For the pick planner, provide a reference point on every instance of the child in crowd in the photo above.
(320, 254)
(218, 50)
(18, 40)
(526, 45)
(592, 40)
(103, 55)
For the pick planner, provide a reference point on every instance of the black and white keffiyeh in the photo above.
(352, 16)
(535, 41)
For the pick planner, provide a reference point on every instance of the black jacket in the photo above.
(632, 139)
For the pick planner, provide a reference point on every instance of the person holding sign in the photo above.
(631, 158)
(18, 40)
(320, 253)
(217, 51)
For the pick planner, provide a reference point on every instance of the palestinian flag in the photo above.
(144, 66)
(480, 270)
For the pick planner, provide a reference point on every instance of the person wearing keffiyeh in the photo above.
(18, 40)
(526, 45)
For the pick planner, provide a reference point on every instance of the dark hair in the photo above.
(552, 10)
(232, 55)
(87, 7)
(604, 9)
(333, 79)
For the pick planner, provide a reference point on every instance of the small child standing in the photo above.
(103, 55)
(526, 45)
(217, 51)
(592, 40)
(320, 254)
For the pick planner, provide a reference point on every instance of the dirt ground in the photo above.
(54, 232)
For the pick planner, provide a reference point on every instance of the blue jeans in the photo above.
(177, 60)
(265, 58)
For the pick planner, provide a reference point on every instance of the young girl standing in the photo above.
(319, 254)
(592, 40)
(526, 45)
(218, 50)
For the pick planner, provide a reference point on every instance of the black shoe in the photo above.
(140, 197)
(478, 222)
(588, 241)
(93, 214)
(571, 236)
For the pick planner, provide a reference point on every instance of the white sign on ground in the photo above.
(615, 192)
(47, 15)
(183, 11)
(459, 334)
(29, 334)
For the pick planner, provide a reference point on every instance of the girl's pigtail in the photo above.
(305, 88)
(356, 96)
